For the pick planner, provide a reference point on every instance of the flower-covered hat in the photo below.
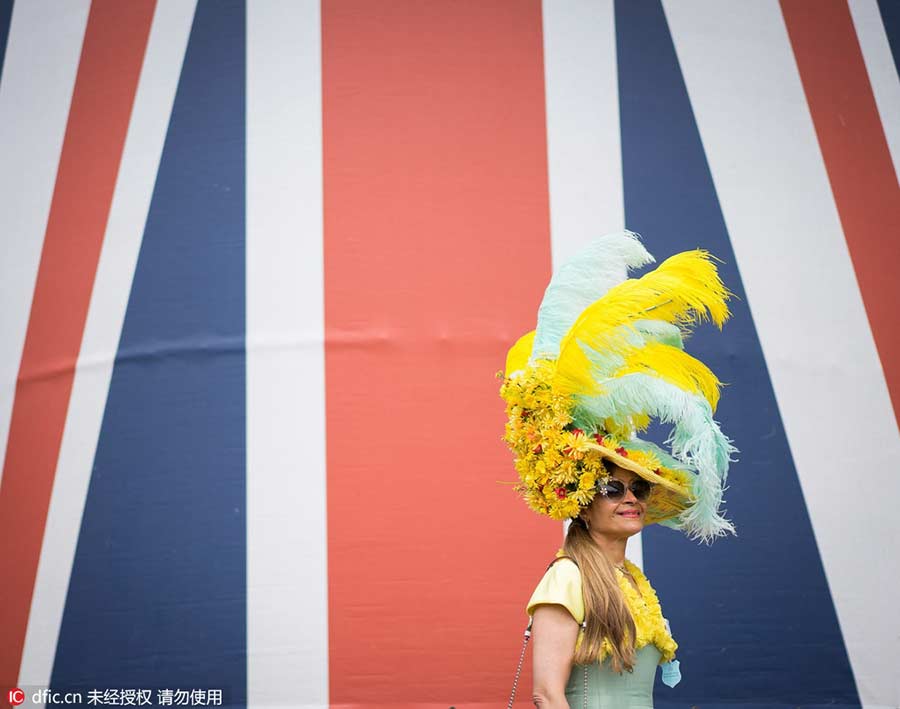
(608, 356)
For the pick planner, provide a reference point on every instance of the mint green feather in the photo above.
(666, 460)
(696, 440)
(660, 331)
(606, 362)
(582, 280)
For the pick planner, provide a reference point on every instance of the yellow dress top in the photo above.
(561, 585)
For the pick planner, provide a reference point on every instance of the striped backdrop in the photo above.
(261, 262)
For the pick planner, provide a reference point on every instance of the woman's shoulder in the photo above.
(561, 584)
(563, 566)
(563, 559)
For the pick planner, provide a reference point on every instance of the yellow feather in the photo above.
(577, 375)
(519, 354)
(683, 290)
(675, 366)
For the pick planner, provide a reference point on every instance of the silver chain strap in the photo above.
(584, 696)
(512, 696)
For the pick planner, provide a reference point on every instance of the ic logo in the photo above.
(16, 697)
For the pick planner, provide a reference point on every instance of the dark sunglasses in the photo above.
(615, 489)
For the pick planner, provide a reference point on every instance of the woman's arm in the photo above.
(553, 634)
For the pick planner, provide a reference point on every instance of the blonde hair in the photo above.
(606, 613)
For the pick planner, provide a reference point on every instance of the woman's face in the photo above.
(616, 518)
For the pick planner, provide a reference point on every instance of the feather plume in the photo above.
(639, 352)
(517, 357)
(580, 281)
(683, 290)
(675, 366)
(666, 460)
(696, 440)
(589, 365)
(660, 331)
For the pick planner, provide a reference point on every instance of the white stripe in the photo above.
(109, 300)
(584, 153)
(41, 62)
(772, 184)
(287, 583)
(583, 140)
(882, 72)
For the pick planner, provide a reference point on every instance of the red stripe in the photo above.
(437, 251)
(108, 71)
(858, 162)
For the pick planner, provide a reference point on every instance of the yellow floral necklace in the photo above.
(647, 613)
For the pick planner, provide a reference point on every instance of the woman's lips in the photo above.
(630, 514)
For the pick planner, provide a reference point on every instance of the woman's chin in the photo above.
(633, 525)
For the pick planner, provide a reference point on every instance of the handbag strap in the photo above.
(512, 696)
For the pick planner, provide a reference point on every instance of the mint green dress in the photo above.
(611, 690)
(607, 689)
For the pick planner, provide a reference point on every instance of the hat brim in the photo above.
(668, 500)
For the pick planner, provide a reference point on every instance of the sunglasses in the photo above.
(615, 489)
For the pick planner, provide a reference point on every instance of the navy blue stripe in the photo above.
(890, 16)
(753, 614)
(6, 7)
(157, 597)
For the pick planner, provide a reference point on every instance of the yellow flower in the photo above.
(647, 614)
(575, 445)
(546, 455)
(561, 419)
(645, 458)
(584, 497)
(588, 480)
(608, 440)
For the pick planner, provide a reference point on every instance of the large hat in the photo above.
(608, 356)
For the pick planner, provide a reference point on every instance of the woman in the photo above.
(606, 358)
(596, 542)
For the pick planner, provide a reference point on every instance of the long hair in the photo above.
(606, 613)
